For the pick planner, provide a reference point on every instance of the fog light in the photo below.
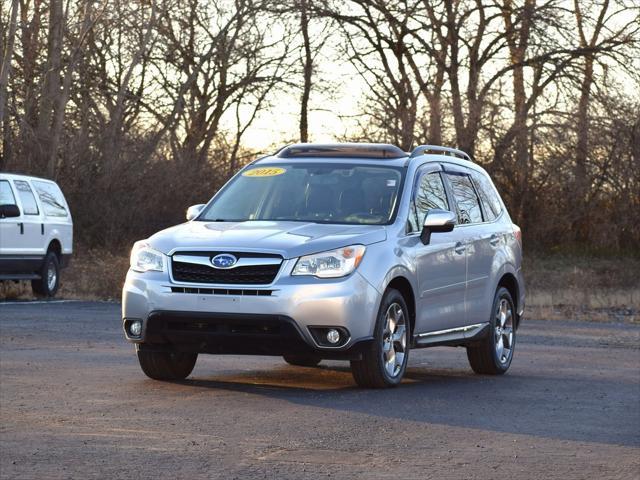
(333, 336)
(136, 328)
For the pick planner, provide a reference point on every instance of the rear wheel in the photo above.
(49, 281)
(302, 360)
(493, 355)
(167, 365)
(384, 363)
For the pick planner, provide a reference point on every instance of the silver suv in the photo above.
(354, 252)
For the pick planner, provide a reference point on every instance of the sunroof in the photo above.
(342, 150)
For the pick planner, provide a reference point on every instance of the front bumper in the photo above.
(269, 320)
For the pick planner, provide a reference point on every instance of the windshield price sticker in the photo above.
(264, 172)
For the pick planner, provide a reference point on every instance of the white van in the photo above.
(36, 232)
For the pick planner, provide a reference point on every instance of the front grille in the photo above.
(241, 275)
(222, 291)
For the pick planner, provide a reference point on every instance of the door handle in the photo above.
(42, 228)
(494, 240)
(21, 225)
(460, 248)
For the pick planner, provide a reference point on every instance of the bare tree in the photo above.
(5, 71)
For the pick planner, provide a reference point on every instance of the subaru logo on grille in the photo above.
(224, 260)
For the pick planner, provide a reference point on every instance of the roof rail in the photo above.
(342, 150)
(453, 152)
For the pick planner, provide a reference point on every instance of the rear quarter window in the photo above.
(52, 199)
(488, 196)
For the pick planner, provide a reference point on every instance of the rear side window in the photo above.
(6, 194)
(52, 200)
(29, 204)
(429, 194)
(468, 203)
(488, 196)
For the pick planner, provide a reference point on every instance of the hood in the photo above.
(289, 239)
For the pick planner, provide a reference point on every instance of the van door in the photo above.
(58, 223)
(440, 265)
(32, 219)
(10, 228)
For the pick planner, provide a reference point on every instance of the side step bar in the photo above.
(20, 276)
(451, 336)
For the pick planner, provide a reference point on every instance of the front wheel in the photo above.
(493, 355)
(167, 365)
(49, 281)
(384, 363)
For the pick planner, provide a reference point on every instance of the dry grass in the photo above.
(558, 286)
(583, 287)
(92, 275)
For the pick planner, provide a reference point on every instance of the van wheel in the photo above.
(47, 285)
(493, 355)
(383, 364)
(301, 360)
(167, 365)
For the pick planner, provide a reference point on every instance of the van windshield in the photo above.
(321, 193)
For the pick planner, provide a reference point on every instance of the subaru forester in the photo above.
(357, 252)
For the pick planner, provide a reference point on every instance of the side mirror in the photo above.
(9, 211)
(437, 221)
(194, 210)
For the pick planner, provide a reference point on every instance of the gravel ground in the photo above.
(74, 404)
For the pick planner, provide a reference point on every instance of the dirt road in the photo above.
(74, 404)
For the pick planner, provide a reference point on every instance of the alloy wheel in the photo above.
(504, 331)
(394, 340)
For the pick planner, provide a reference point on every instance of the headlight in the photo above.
(145, 259)
(332, 264)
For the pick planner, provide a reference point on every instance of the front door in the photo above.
(440, 265)
(11, 229)
(32, 220)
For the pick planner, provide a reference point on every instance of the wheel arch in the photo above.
(403, 285)
(56, 247)
(510, 282)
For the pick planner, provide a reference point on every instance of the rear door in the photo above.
(441, 264)
(479, 239)
(58, 223)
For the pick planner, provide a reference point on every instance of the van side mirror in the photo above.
(9, 211)
(437, 220)
(194, 210)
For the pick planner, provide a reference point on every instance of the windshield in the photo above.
(338, 193)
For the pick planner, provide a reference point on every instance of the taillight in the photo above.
(517, 233)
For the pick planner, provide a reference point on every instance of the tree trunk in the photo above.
(307, 71)
(51, 84)
(5, 71)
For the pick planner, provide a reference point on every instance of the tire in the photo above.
(489, 356)
(373, 370)
(302, 360)
(49, 281)
(167, 365)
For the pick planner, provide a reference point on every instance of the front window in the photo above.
(303, 192)
(429, 194)
(6, 194)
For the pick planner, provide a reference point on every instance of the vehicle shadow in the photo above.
(567, 408)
